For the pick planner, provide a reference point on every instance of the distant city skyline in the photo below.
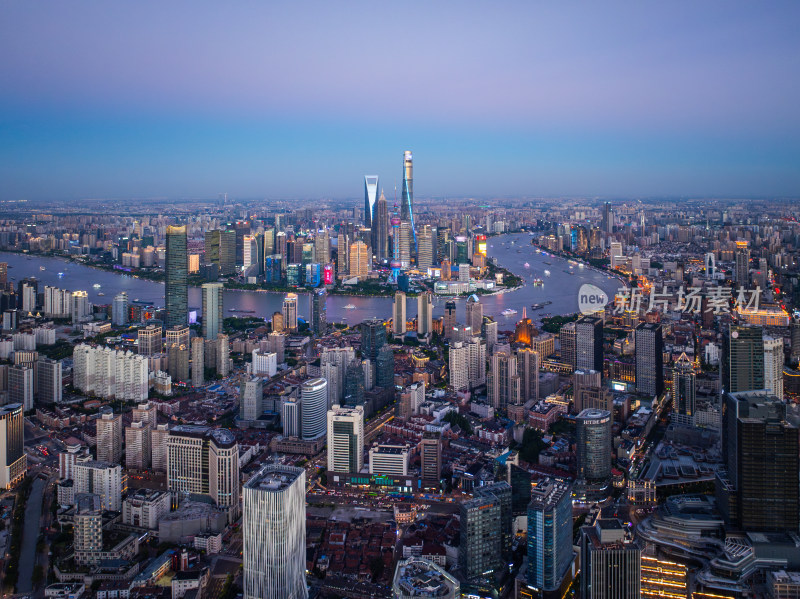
(501, 100)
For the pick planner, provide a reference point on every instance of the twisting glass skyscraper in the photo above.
(370, 195)
(407, 199)
(176, 267)
(274, 534)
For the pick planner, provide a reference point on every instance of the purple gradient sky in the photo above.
(189, 99)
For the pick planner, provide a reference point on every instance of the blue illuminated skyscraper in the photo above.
(407, 199)
(370, 196)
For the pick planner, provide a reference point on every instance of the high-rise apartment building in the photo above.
(274, 534)
(474, 313)
(149, 340)
(108, 432)
(503, 382)
(21, 385)
(137, 446)
(345, 439)
(290, 311)
(177, 335)
(425, 314)
(212, 309)
(476, 348)
(449, 318)
(251, 399)
(649, 359)
(204, 461)
(773, 365)
(101, 478)
(528, 370)
(198, 361)
(742, 271)
(176, 269)
(119, 310)
(13, 460)
(399, 313)
(459, 366)
(223, 355)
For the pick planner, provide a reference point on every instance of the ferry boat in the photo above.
(96, 285)
(547, 273)
(538, 282)
(541, 305)
(527, 265)
(101, 294)
(349, 307)
(61, 274)
(42, 268)
(508, 312)
(237, 310)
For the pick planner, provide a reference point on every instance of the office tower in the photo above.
(610, 562)
(88, 529)
(608, 219)
(314, 407)
(354, 384)
(742, 362)
(742, 271)
(589, 343)
(476, 348)
(399, 313)
(425, 252)
(178, 360)
(3, 275)
(137, 446)
(13, 460)
(204, 461)
(683, 386)
(568, 340)
(223, 355)
(758, 489)
(528, 370)
(449, 318)
(289, 311)
(384, 367)
(119, 310)
(198, 361)
(319, 314)
(407, 197)
(48, 380)
(389, 460)
(176, 272)
(359, 259)
(459, 366)
(474, 313)
(425, 314)
(373, 337)
(502, 492)
(370, 195)
(649, 359)
(345, 439)
(794, 339)
(333, 367)
(290, 417)
(430, 453)
(594, 445)
(251, 399)
(503, 383)
(249, 252)
(549, 534)
(177, 335)
(405, 243)
(773, 365)
(278, 325)
(342, 255)
(149, 340)
(480, 545)
(520, 481)
(20, 386)
(276, 344)
(322, 247)
(103, 479)
(81, 309)
(380, 229)
(212, 309)
(108, 431)
(490, 334)
(274, 534)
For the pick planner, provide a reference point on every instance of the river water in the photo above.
(512, 251)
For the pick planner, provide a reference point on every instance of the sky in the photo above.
(285, 100)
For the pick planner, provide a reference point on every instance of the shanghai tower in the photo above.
(407, 199)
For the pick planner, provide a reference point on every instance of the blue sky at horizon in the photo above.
(300, 100)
